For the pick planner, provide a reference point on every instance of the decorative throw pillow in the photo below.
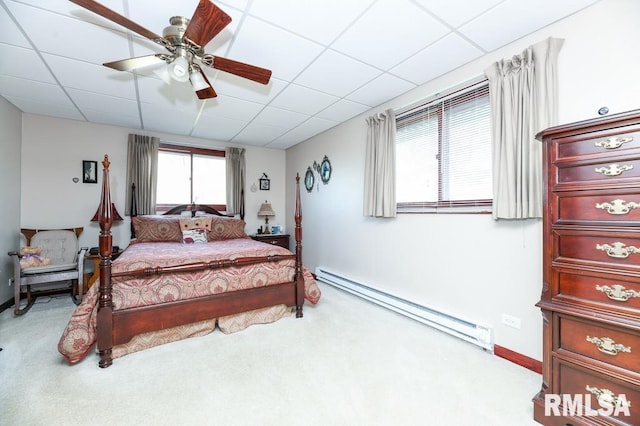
(224, 228)
(194, 236)
(195, 223)
(157, 228)
(194, 230)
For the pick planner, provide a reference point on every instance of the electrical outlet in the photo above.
(511, 321)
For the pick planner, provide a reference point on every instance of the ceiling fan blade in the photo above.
(208, 92)
(207, 21)
(135, 63)
(105, 12)
(260, 75)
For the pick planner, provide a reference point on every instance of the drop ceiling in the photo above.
(331, 60)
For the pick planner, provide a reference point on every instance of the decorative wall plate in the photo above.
(325, 170)
(309, 179)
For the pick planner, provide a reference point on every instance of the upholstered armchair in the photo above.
(59, 258)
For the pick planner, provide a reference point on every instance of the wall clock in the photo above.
(309, 179)
(325, 170)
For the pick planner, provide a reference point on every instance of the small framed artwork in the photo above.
(89, 171)
(265, 183)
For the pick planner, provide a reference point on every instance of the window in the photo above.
(443, 153)
(187, 175)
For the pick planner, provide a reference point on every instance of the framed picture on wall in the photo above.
(265, 183)
(89, 171)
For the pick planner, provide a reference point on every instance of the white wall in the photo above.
(52, 154)
(470, 265)
(11, 125)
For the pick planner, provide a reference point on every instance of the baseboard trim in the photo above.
(517, 358)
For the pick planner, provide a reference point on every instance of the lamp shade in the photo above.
(197, 80)
(114, 214)
(179, 69)
(266, 210)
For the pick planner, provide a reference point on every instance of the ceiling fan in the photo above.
(185, 40)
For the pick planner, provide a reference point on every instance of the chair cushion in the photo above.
(49, 268)
(60, 245)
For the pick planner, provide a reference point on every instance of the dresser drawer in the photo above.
(619, 347)
(604, 173)
(598, 206)
(575, 380)
(620, 294)
(609, 142)
(599, 248)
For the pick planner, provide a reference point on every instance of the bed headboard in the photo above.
(193, 208)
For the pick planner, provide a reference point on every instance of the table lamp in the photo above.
(266, 211)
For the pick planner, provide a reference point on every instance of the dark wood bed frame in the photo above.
(118, 327)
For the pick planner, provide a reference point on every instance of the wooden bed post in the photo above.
(105, 303)
(134, 209)
(298, 235)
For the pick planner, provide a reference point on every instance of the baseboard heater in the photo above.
(478, 334)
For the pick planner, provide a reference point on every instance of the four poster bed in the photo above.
(166, 286)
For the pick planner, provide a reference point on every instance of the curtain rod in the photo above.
(447, 93)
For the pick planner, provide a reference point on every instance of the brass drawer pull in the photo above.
(607, 345)
(613, 143)
(606, 398)
(614, 169)
(617, 292)
(618, 206)
(618, 250)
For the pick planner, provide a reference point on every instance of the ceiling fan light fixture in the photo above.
(179, 69)
(197, 80)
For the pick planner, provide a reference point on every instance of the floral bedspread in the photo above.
(80, 334)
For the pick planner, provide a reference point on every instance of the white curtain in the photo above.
(524, 99)
(142, 169)
(236, 172)
(380, 166)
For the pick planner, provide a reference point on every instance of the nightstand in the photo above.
(281, 240)
(90, 279)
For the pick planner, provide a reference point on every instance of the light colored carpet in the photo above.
(347, 362)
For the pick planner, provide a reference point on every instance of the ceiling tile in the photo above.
(169, 120)
(232, 108)
(78, 40)
(284, 118)
(306, 130)
(319, 21)
(91, 77)
(67, 8)
(336, 74)
(380, 90)
(52, 109)
(217, 128)
(343, 110)
(266, 46)
(24, 63)
(259, 134)
(304, 100)
(106, 104)
(513, 19)
(33, 91)
(444, 55)
(173, 95)
(231, 85)
(456, 12)
(412, 29)
(112, 117)
(11, 34)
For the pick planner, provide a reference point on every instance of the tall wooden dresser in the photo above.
(590, 298)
